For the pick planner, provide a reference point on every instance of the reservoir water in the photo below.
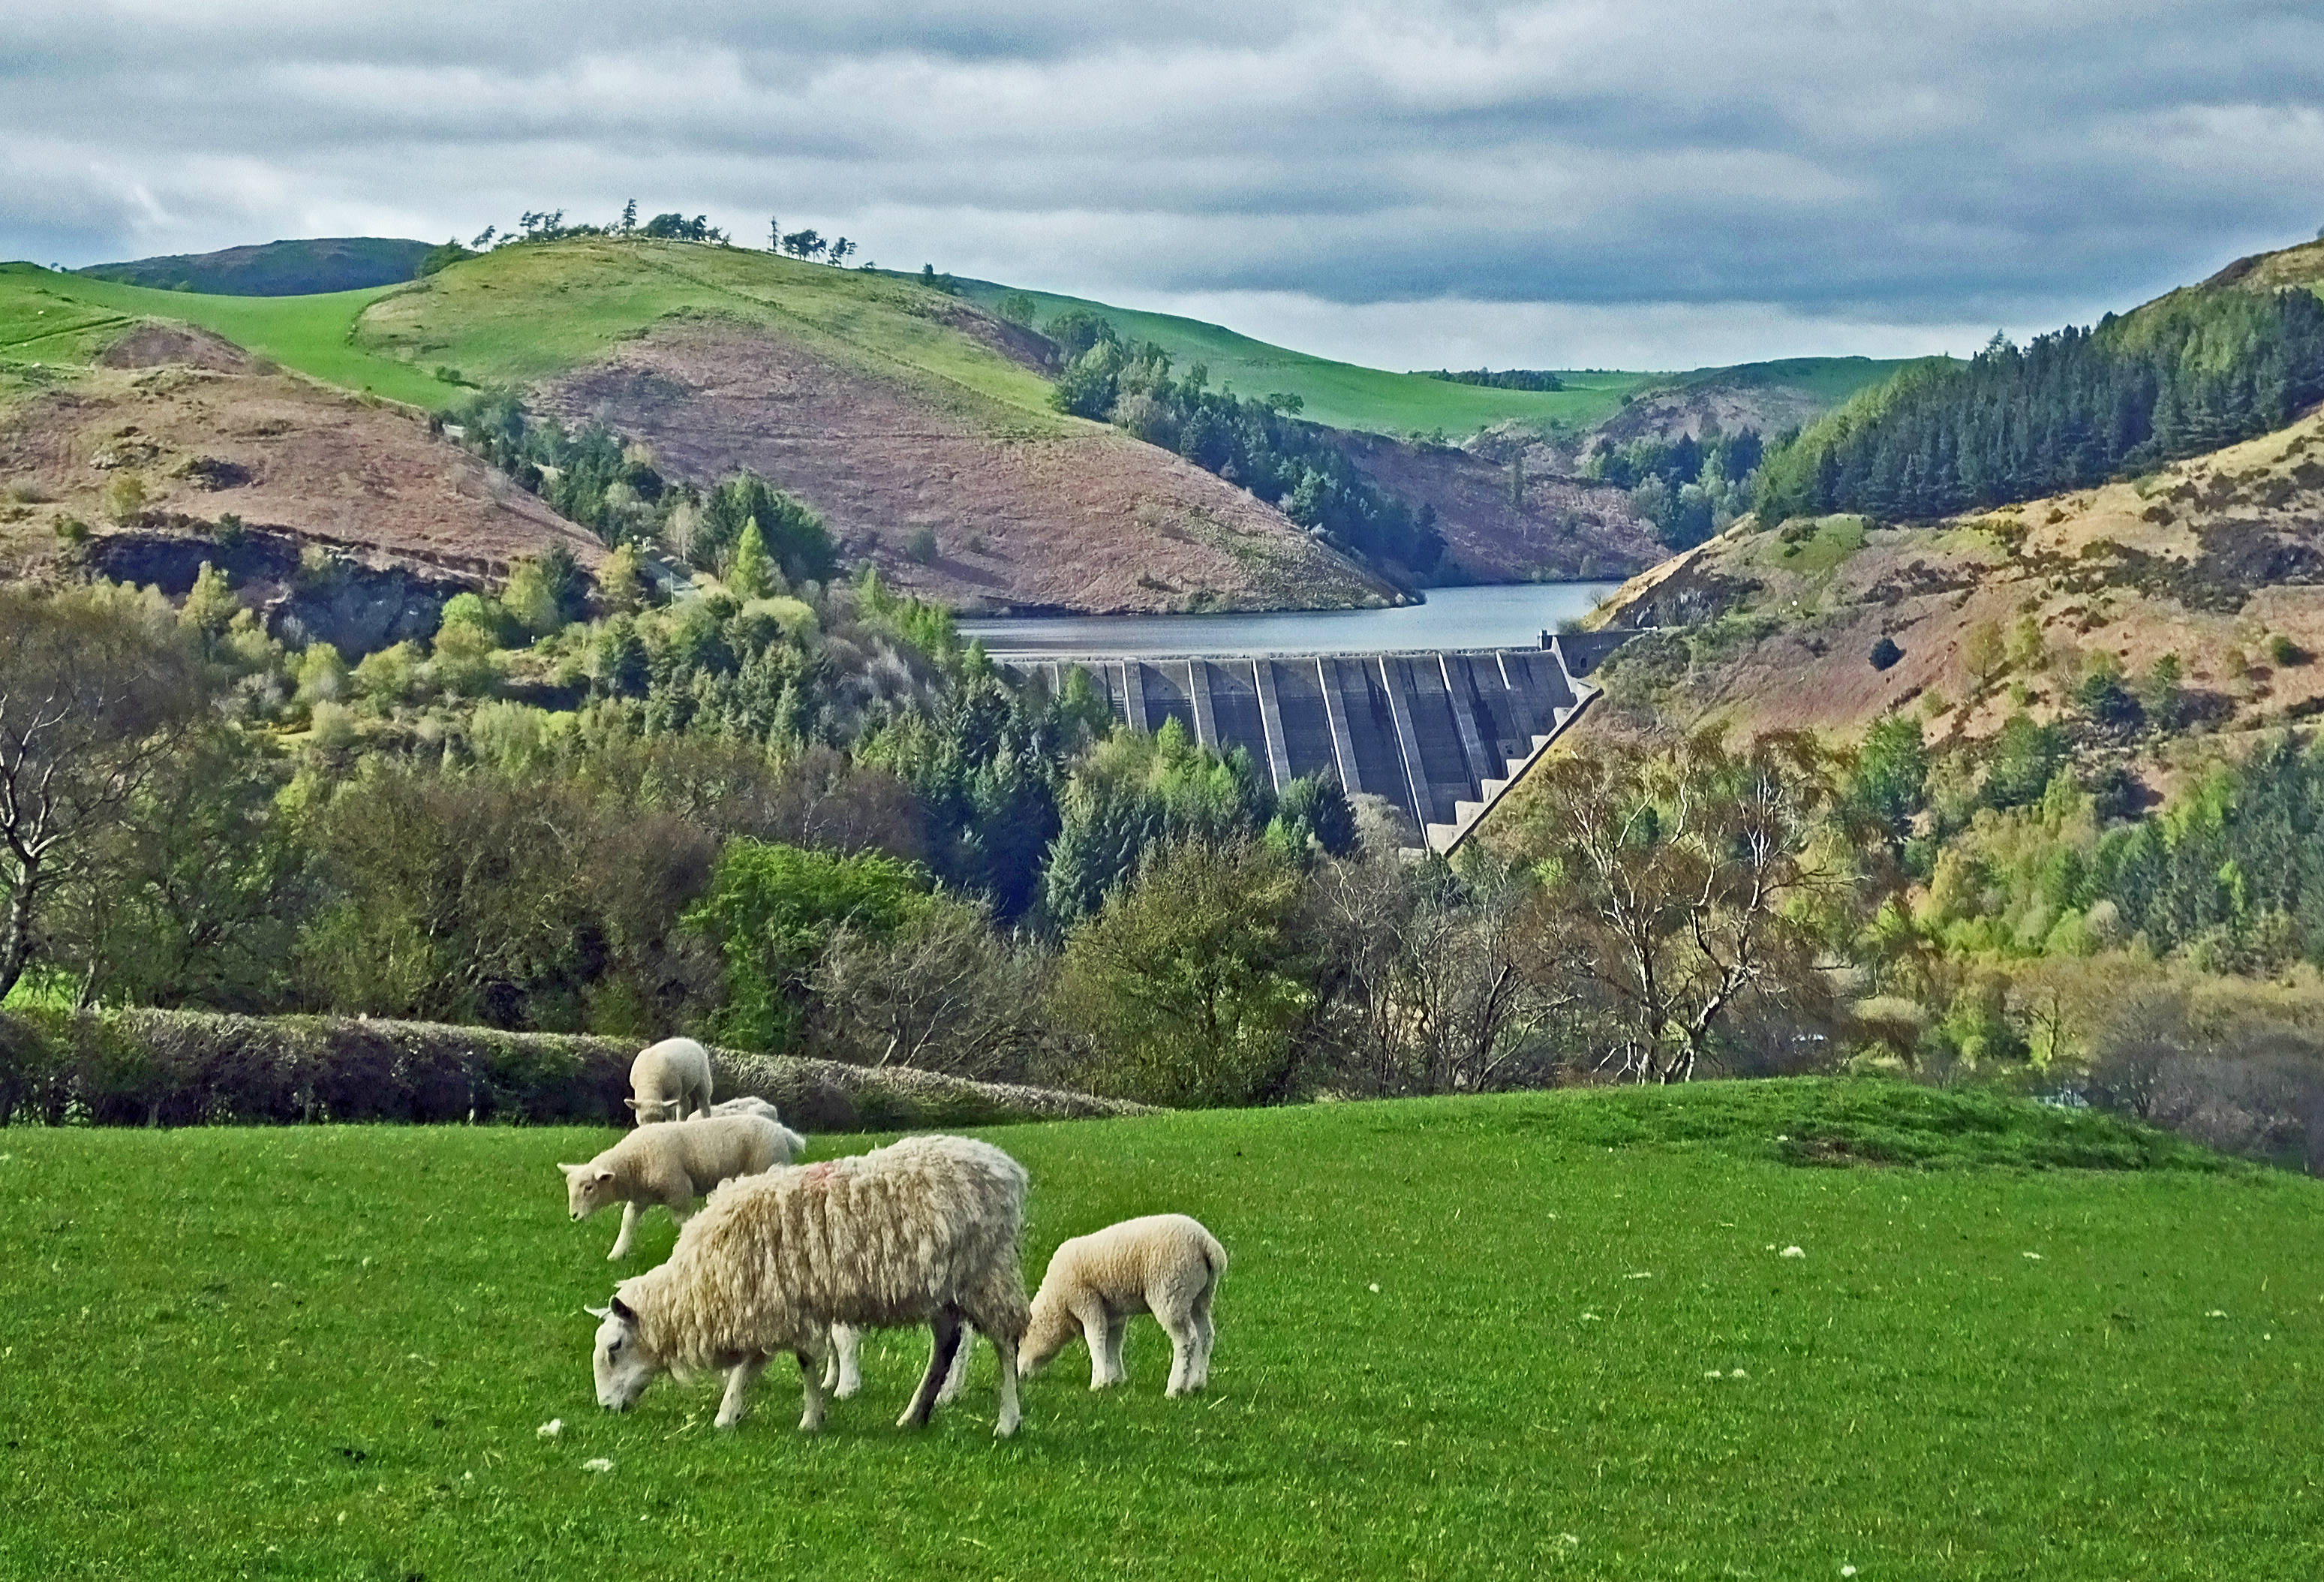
(1510, 615)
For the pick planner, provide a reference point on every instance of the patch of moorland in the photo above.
(2216, 562)
(166, 447)
(1543, 1333)
(306, 267)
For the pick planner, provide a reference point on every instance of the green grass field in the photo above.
(1538, 1335)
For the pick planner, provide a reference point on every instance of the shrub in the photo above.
(921, 548)
(1885, 653)
(125, 499)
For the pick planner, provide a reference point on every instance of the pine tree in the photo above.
(752, 574)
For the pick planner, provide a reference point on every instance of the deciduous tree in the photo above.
(96, 690)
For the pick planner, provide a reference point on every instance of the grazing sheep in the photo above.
(748, 1104)
(669, 1081)
(1166, 1264)
(922, 1230)
(673, 1163)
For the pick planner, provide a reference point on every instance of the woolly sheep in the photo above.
(669, 1081)
(1166, 1264)
(922, 1230)
(748, 1104)
(673, 1162)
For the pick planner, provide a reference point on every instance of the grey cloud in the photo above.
(1857, 166)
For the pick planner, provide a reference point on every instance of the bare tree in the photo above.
(944, 993)
(1678, 882)
(96, 689)
(1424, 978)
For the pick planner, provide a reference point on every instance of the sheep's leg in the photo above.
(811, 1384)
(1004, 1351)
(735, 1407)
(1186, 1352)
(945, 1329)
(1115, 1324)
(1207, 1336)
(629, 1229)
(843, 1372)
(958, 1376)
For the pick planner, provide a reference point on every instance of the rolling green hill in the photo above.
(1341, 394)
(522, 314)
(275, 269)
(1374, 401)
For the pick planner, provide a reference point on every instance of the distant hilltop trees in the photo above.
(549, 226)
(1507, 379)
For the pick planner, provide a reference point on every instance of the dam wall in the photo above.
(1442, 733)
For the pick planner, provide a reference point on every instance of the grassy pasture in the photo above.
(310, 334)
(1459, 1339)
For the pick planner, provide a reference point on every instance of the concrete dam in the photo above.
(1442, 733)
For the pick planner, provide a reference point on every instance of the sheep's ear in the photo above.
(569, 1169)
(631, 1101)
(604, 1175)
(621, 1311)
(596, 1312)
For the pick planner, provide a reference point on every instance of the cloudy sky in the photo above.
(1563, 185)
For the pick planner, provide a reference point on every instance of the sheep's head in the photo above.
(1051, 1327)
(649, 1111)
(623, 1366)
(587, 1189)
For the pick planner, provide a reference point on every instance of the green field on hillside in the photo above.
(309, 334)
(1341, 394)
(524, 313)
(1540, 1335)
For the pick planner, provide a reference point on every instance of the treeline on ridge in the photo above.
(2200, 370)
(1505, 379)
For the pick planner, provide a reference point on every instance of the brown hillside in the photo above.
(207, 430)
(2207, 559)
(1086, 519)
(1562, 527)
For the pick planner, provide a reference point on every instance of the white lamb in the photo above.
(922, 1230)
(1166, 1264)
(669, 1081)
(672, 1163)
